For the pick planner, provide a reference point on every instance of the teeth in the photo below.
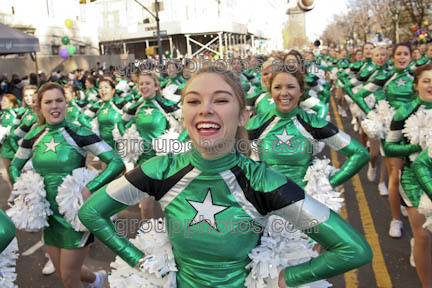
(285, 101)
(207, 125)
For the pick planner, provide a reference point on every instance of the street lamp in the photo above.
(157, 25)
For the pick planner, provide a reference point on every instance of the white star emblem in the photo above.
(284, 137)
(7, 116)
(29, 117)
(271, 101)
(105, 111)
(148, 111)
(401, 82)
(70, 109)
(51, 146)
(206, 211)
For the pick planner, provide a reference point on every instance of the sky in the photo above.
(322, 15)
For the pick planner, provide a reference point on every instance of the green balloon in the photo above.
(65, 40)
(166, 52)
(71, 49)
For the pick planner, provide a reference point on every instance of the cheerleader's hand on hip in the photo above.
(85, 193)
(282, 283)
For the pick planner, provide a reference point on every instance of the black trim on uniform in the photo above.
(327, 131)
(28, 143)
(82, 141)
(155, 187)
(266, 202)
(166, 108)
(256, 133)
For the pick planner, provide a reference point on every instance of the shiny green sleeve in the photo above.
(422, 167)
(358, 98)
(95, 215)
(345, 249)
(324, 96)
(7, 230)
(358, 157)
(106, 154)
(85, 120)
(394, 145)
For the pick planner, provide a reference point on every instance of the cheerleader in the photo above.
(56, 148)
(398, 92)
(366, 99)
(289, 135)
(261, 101)
(75, 107)
(399, 146)
(10, 119)
(108, 112)
(215, 183)
(152, 117)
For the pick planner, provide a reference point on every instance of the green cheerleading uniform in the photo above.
(208, 199)
(356, 83)
(10, 118)
(57, 150)
(252, 98)
(7, 230)
(399, 88)
(75, 114)
(29, 118)
(375, 85)
(316, 87)
(396, 145)
(422, 168)
(91, 95)
(287, 142)
(108, 115)
(150, 117)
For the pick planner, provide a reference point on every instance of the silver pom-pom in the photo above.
(318, 185)
(418, 128)
(7, 265)
(4, 132)
(279, 248)
(131, 139)
(95, 126)
(425, 208)
(158, 268)
(377, 123)
(69, 197)
(31, 210)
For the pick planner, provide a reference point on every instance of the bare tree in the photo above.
(417, 10)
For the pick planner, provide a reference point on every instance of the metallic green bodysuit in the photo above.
(7, 230)
(289, 141)
(396, 145)
(56, 150)
(208, 199)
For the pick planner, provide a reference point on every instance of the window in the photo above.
(82, 50)
(55, 49)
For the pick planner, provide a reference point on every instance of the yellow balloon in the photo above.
(68, 23)
(426, 22)
(421, 36)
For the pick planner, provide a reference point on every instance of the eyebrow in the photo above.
(215, 92)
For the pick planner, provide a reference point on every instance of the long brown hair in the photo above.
(235, 83)
(12, 98)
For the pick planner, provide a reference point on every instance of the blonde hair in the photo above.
(235, 84)
(155, 80)
(25, 88)
(46, 87)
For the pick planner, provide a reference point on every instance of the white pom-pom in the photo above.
(377, 123)
(95, 126)
(158, 268)
(425, 208)
(31, 210)
(69, 197)
(279, 249)
(7, 265)
(4, 132)
(318, 185)
(168, 93)
(418, 128)
(132, 140)
(169, 143)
